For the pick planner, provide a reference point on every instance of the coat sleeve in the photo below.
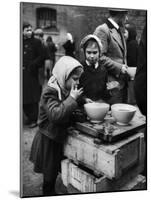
(111, 65)
(58, 111)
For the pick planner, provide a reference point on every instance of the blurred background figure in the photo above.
(39, 34)
(132, 56)
(32, 59)
(140, 81)
(140, 84)
(51, 49)
(132, 45)
(69, 46)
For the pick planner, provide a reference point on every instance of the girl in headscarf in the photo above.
(94, 80)
(58, 101)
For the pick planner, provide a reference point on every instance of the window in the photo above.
(46, 18)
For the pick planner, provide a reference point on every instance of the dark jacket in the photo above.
(51, 49)
(94, 82)
(132, 47)
(32, 60)
(54, 115)
(140, 81)
(69, 48)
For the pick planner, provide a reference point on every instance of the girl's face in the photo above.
(92, 53)
(73, 80)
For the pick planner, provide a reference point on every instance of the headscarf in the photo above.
(60, 73)
(90, 37)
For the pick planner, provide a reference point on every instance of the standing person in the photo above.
(140, 81)
(114, 51)
(140, 84)
(58, 101)
(132, 56)
(95, 77)
(69, 46)
(39, 34)
(51, 48)
(32, 59)
(132, 45)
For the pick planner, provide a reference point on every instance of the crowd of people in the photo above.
(102, 76)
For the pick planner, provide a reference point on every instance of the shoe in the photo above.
(32, 125)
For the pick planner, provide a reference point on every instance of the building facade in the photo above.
(57, 20)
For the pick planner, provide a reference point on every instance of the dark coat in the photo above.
(33, 57)
(132, 47)
(94, 82)
(140, 81)
(51, 49)
(132, 53)
(54, 115)
(69, 48)
(54, 119)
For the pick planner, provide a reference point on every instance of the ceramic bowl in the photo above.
(96, 111)
(131, 71)
(123, 113)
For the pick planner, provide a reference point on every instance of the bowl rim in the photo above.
(119, 109)
(97, 103)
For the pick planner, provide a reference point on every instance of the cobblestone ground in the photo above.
(32, 182)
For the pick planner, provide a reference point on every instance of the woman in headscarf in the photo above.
(58, 101)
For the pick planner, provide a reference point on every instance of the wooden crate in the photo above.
(78, 180)
(111, 160)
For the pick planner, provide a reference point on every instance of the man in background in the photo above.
(32, 59)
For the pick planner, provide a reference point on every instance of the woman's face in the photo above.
(92, 53)
(73, 80)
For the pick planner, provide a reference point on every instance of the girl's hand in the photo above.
(87, 100)
(75, 92)
(113, 85)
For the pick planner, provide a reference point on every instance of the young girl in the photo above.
(57, 103)
(94, 80)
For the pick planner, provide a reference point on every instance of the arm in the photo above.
(111, 65)
(58, 111)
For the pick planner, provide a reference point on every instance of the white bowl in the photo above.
(123, 113)
(131, 71)
(96, 111)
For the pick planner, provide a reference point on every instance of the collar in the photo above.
(96, 64)
(114, 23)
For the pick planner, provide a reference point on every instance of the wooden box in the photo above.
(83, 182)
(111, 160)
